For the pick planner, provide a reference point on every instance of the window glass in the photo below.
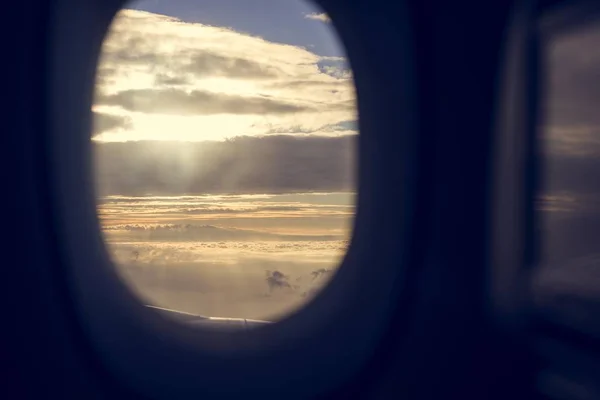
(569, 200)
(224, 143)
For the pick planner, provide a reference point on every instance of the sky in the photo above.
(224, 149)
(287, 21)
(212, 70)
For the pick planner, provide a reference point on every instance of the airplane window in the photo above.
(224, 144)
(569, 200)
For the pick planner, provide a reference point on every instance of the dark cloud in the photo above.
(208, 233)
(202, 209)
(133, 56)
(204, 64)
(271, 164)
(132, 49)
(140, 51)
(105, 74)
(105, 122)
(165, 79)
(179, 102)
(277, 280)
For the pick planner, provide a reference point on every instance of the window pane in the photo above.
(224, 144)
(570, 198)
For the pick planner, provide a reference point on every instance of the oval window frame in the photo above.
(159, 357)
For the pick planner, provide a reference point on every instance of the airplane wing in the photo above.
(217, 322)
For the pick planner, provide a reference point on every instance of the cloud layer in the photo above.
(208, 233)
(253, 256)
(195, 102)
(268, 164)
(209, 83)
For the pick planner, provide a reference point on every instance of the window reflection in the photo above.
(569, 204)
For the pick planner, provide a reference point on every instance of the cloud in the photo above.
(181, 207)
(211, 64)
(179, 265)
(104, 122)
(180, 102)
(131, 54)
(277, 279)
(206, 233)
(268, 164)
(213, 80)
(223, 283)
(323, 17)
(170, 80)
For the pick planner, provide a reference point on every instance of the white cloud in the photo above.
(318, 16)
(317, 217)
(171, 80)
